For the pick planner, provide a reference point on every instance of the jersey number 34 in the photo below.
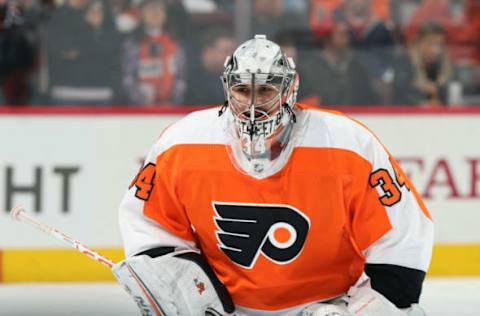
(391, 188)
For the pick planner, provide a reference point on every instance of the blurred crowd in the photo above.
(171, 52)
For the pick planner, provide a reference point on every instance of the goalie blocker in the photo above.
(166, 281)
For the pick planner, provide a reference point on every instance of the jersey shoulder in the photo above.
(199, 127)
(336, 130)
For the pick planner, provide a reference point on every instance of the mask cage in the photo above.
(255, 97)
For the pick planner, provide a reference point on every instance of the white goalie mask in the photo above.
(260, 85)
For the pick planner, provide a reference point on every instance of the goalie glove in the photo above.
(175, 284)
(361, 300)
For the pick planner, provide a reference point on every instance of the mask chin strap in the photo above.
(288, 109)
(223, 108)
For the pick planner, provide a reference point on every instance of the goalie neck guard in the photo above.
(260, 85)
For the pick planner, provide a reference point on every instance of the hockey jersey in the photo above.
(300, 235)
(157, 73)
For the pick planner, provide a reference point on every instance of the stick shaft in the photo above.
(21, 215)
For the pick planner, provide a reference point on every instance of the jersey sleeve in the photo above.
(391, 224)
(150, 213)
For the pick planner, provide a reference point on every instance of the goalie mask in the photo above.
(260, 85)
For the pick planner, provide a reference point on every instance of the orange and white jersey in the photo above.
(300, 235)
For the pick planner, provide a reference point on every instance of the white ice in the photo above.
(441, 297)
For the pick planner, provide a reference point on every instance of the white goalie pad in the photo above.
(169, 285)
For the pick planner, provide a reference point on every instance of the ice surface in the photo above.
(441, 297)
(451, 297)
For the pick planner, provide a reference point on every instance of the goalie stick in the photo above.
(18, 213)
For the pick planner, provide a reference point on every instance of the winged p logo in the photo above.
(247, 230)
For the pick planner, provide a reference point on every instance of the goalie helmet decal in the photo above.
(245, 231)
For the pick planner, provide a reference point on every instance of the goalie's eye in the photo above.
(242, 89)
(246, 89)
(266, 89)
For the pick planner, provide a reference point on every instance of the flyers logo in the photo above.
(247, 230)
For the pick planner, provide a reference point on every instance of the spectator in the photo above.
(17, 54)
(153, 61)
(17, 61)
(290, 44)
(35, 17)
(63, 49)
(178, 23)
(227, 6)
(295, 6)
(421, 77)
(461, 22)
(373, 42)
(267, 17)
(459, 19)
(125, 15)
(340, 78)
(323, 11)
(80, 34)
(102, 40)
(270, 18)
(204, 82)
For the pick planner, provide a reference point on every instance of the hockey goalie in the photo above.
(269, 207)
